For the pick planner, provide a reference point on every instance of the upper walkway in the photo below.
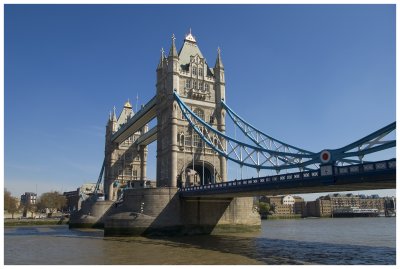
(140, 119)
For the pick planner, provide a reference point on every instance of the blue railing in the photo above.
(337, 171)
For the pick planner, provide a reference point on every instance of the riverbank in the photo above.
(277, 217)
(32, 222)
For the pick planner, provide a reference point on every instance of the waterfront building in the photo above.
(325, 206)
(390, 206)
(285, 205)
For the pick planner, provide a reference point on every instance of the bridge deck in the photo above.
(370, 176)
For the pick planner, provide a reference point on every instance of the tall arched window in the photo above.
(199, 112)
(181, 139)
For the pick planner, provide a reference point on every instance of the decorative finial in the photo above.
(114, 116)
(137, 97)
(162, 52)
(190, 37)
(128, 104)
(173, 52)
(218, 63)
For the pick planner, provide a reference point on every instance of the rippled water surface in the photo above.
(303, 241)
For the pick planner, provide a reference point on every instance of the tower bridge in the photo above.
(193, 194)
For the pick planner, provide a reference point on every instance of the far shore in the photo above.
(32, 222)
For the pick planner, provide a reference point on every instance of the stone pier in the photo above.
(160, 211)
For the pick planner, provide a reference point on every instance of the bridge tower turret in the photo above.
(124, 163)
(182, 158)
(219, 74)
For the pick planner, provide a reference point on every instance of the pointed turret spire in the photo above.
(172, 51)
(110, 117)
(114, 116)
(161, 63)
(218, 63)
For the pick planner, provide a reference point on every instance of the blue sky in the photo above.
(314, 76)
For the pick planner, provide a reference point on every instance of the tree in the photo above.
(10, 203)
(52, 201)
(264, 208)
(31, 208)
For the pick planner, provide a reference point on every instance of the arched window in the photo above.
(199, 112)
(187, 84)
(181, 139)
(206, 86)
(194, 70)
(197, 142)
(200, 71)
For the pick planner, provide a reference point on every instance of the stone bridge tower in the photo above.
(125, 163)
(183, 159)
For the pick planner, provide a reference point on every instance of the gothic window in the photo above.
(197, 142)
(187, 85)
(211, 119)
(188, 141)
(195, 84)
(199, 113)
(206, 86)
(200, 71)
(129, 171)
(194, 70)
(181, 139)
(200, 85)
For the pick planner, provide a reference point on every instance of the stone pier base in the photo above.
(160, 211)
(91, 214)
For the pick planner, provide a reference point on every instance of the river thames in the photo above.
(301, 241)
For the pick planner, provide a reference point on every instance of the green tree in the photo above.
(264, 208)
(10, 203)
(52, 201)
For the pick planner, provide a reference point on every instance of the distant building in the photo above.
(75, 198)
(325, 206)
(285, 206)
(28, 198)
(72, 200)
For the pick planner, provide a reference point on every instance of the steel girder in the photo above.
(270, 153)
(242, 153)
(267, 142)
(96, 189)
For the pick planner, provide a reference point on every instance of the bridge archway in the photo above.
(197, 174)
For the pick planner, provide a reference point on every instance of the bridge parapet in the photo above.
(363, 172)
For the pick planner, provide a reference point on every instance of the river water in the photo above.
(301, 241)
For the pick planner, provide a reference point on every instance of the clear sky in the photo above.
(314, 76)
